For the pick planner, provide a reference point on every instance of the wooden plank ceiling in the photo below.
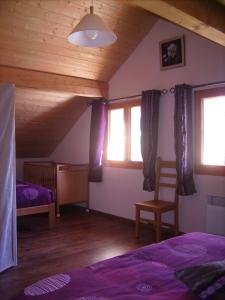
(43, 118)
(33, 35)
(51, 74)
(53, 82)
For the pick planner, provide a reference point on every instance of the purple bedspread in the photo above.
(146, 273)
(29, 194)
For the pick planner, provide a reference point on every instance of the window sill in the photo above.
(123, 164)
(210, 170)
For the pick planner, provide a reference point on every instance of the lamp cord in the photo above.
(92, 7)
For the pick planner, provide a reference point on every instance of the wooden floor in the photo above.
(78, 239)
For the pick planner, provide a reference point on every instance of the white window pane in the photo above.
(135, 134)
(116, 135)
(214, 131)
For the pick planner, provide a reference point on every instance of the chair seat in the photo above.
(155, 205)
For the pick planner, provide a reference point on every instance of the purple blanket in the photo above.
(29, 194)
(146, 273)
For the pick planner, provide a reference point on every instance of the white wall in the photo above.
(121, 188)
(74, 147)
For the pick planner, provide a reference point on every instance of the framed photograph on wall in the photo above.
(172, 53)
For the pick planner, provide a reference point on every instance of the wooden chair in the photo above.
(158, 206)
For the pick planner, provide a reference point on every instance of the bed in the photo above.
(68, 182)
(34, 199)
(146, 273)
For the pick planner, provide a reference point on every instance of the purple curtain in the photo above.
(97, 139)
(183, 139)
(149, 136)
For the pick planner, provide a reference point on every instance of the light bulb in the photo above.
(91, 34)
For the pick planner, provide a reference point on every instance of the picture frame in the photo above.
(172, 54)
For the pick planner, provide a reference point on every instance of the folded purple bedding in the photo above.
(146, 273)
(29, 194)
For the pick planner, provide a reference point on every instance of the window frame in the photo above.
(126, 163)
(201, 168)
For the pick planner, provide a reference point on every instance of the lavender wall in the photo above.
(74, 148)
(205, 62)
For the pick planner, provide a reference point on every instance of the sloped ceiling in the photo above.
(43, 118)
(33, 36)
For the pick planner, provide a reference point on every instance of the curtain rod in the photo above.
(165, 91)
(206, 84)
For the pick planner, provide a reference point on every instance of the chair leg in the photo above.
(176, 221)
(158, 226)
(137, 227)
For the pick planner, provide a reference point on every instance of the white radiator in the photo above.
(215, 222)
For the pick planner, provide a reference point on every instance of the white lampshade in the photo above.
(91, 32)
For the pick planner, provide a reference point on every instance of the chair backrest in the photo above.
(163, 168)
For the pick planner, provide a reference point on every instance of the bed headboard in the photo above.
(42, 173)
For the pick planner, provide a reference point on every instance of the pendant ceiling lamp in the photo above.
(92, 32)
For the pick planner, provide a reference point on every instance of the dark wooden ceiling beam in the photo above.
(53, 82)
(206, 18)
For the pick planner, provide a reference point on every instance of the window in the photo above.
(124, 135)
(210, 131)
